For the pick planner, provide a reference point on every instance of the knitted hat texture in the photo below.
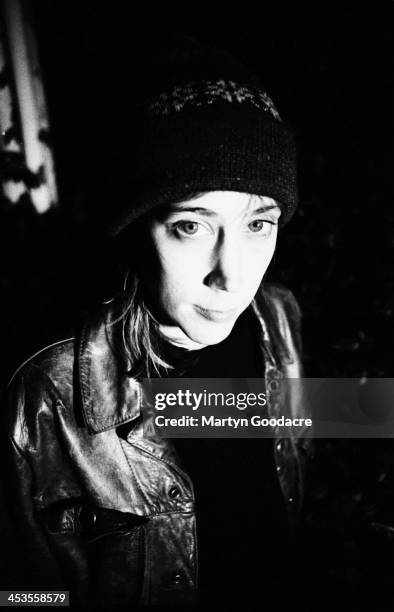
(207, 124)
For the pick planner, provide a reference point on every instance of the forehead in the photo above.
(226, 204)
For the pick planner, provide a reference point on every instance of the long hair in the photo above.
(137, 340)
(137, 334)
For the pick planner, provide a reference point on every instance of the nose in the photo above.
(226, 265)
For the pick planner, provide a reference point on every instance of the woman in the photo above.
(105, 507)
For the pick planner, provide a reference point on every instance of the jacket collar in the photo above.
(109, 397)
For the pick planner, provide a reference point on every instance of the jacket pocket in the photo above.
(88, 521)
(101, 550)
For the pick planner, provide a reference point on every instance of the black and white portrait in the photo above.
(197, 306)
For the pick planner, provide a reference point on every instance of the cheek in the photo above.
(179, 280)
(257, 263)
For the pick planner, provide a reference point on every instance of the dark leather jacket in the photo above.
(110, 515)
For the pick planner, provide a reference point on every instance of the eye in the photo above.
(189, 229)
(261, 226)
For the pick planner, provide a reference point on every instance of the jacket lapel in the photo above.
(109, 397)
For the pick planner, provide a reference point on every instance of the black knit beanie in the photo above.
(205, 123)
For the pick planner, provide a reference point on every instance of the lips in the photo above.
(216, 315)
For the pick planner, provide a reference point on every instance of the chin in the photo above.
(210, 333)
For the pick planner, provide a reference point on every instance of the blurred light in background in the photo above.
(27, 160)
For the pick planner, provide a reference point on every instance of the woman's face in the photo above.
(211, 254)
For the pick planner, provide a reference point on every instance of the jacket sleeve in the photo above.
(287, 319)
(28, 559)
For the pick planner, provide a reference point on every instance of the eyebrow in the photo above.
(263, 209)
(210, 213)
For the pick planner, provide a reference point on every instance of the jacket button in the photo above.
(87, 517)
(279, 445)
(291, 499)
(278, 469)
(174, 492)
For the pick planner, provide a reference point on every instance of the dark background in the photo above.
(327, 66)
